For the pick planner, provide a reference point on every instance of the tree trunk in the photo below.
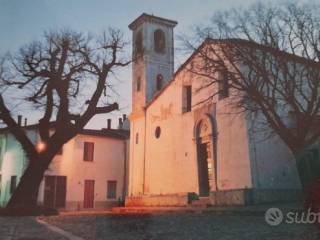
(307, 173)
(26, 193)
(308, 167)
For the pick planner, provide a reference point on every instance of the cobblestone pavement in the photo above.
(25, 228)
(186, 226)
(237, 224)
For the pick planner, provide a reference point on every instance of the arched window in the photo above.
(159, 81)
(159, 41)
(223, 85)
(137, 138)
(139, 44)
(138, 84)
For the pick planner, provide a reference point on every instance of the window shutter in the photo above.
(88, 151)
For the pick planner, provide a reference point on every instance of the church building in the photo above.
(184, 149)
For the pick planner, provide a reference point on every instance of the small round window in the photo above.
(158, 132)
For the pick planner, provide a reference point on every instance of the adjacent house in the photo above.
(88, 172)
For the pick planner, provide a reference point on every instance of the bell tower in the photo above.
(152, 56)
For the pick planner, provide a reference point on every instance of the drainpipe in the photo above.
(144, 152)
(124, 190)
(131, 156)
(215, 145)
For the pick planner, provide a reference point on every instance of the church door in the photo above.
(204, 188)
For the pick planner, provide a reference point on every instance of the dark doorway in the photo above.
(55, 191)
(203, 169)
(61, 191)
(88, 194)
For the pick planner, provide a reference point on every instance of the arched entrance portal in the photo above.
(206, 156)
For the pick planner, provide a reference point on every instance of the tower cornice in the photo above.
(151, 18)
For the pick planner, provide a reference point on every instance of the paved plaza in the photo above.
(218, 224)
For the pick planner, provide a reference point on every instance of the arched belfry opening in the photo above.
(138, 48)
(159, 41)
(205, 135)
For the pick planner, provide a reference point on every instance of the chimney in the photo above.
(109, 123)
(25, 121)
(19, 120)
(120, 123)
(124, 116)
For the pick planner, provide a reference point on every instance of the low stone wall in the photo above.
(275, 195)
(78, 206)
(220, 198)
(229, 197)
(254, 196)
(168, 200)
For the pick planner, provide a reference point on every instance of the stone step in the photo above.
(201, 202)
(153, 210)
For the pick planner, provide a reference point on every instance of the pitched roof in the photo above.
(110, 133)
(232, 41)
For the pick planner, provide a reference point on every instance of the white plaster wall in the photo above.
(137, 156)
(108, 164)
(171, 160)
(273, 164)
(14, 163)
(234, 170)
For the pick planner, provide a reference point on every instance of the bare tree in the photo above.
(66, 78)
(269, 59)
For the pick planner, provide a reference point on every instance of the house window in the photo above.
(187, 98)
(88, 151)
(159, 41)
(137, 138)
(138, 84)
(112, 190)
(159, 81)
(13, 184)
(223, 85)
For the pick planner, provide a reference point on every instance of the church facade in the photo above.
(185, 148)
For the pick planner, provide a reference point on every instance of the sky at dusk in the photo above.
(22, 21)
